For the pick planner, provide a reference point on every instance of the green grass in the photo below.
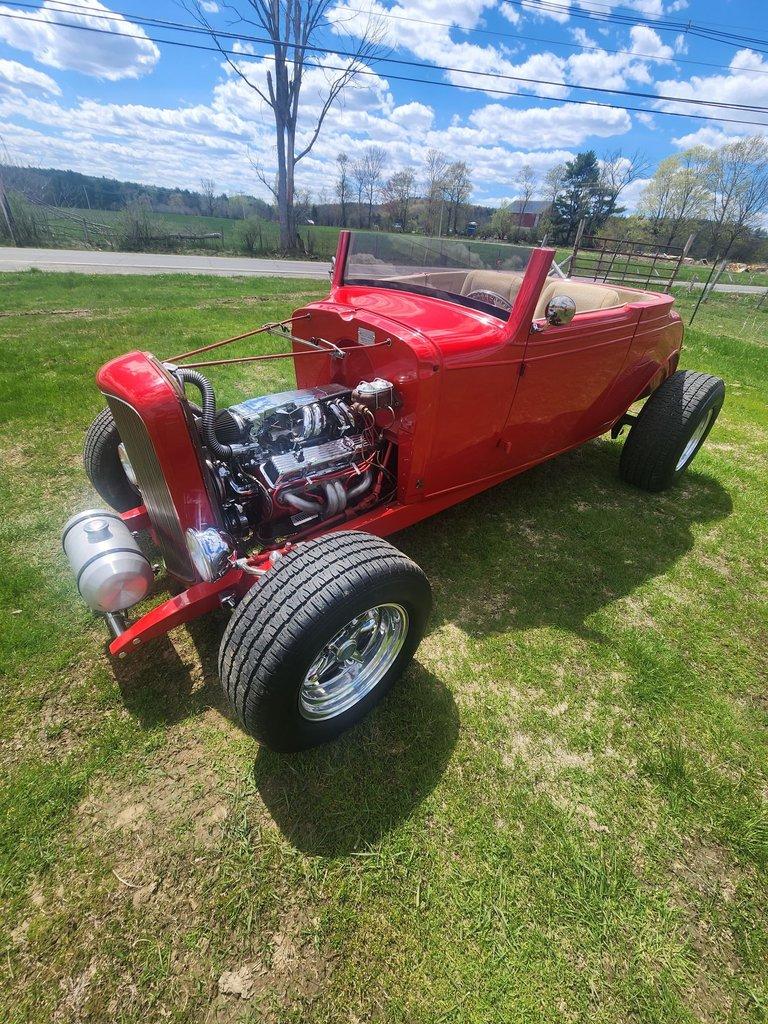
(82, 228)
(559, 814)
(697, 273)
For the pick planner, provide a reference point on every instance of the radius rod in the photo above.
(317, 346)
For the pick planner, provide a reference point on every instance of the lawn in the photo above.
(559, 815)
(73, 228)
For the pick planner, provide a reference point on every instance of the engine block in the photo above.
(298, 456)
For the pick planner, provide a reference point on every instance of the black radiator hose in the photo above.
(214, 445)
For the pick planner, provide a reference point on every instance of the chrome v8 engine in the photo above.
(298, 456)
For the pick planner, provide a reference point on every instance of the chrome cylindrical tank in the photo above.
(111, 570)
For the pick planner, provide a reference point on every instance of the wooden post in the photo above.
(677, 266)
(8, 214)
(576, 243)
(718, 273)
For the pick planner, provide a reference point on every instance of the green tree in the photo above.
(578, 198)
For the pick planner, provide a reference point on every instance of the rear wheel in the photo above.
(107, 465)
(310, 650)
(672, 426)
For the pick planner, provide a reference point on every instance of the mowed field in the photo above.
(559, 814)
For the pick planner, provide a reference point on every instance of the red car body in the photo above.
(482, 399)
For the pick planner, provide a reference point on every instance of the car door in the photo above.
(564, 393)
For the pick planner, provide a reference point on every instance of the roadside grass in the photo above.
(559, 814)
(74, 228)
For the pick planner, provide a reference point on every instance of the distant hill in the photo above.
(85, 191)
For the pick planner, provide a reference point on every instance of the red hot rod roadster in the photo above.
(424, 377)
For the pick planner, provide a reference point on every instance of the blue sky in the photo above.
(131, 108)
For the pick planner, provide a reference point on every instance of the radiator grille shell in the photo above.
(154, 488)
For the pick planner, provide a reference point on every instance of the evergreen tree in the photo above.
(579, 197)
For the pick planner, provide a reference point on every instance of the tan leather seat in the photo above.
(587, 296)
(503, 282)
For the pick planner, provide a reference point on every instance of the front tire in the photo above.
(101, 457)
(311, 649)
(672, 426)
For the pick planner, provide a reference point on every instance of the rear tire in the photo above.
(103, 465)
(672, 426)
(348, 593)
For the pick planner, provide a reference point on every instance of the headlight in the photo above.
(210, 551)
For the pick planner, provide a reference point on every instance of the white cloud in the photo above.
(14, 74)
(537, 128)
(560, 10)
(550, 9)
(434, 42)
(176, 146)
(740, 85)
(72, 49)
(209, 6)
(647, 119)
(710, 137)
(648, 42)
(681, 44)
(630, 197)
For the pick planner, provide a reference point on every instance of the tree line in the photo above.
(432, 201)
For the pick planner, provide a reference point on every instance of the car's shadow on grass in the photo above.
(345, 795)
(160, 687)
(546, 549)
(557, 544)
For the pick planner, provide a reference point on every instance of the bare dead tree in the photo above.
(357, 175)
(343, 185)
(617, 172)
(208, 191)
(458, 189)
(435, 172)
(374, 159)
(398, 194)
(525, 182)
(295, 29)
(737, 176)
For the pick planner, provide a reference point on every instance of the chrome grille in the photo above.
(153, 487)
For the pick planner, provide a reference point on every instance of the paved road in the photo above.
(734, 289)
(88, 262)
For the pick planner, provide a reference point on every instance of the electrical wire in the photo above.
(141, 19)
(516, 36)
(494, 75)
(420, 81)
(611, 15)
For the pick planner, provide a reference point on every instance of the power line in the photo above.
(561, 42)
(304, 47)
(417, 81)
(85, 8)
(662, 25)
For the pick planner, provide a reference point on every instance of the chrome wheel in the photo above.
(695, 439)
(353, 662)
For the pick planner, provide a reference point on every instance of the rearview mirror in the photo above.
(560, 310)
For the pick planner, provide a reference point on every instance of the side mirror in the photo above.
(333, 267)
(560, 310)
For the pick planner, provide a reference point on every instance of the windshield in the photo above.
(481, 275)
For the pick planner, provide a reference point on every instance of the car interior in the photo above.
(588, 295)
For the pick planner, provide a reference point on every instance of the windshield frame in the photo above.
(342, 276)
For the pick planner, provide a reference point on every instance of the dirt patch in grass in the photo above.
(293, 970)
(69, 314)
(178, 790)
(703, 885)
(254, 300)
